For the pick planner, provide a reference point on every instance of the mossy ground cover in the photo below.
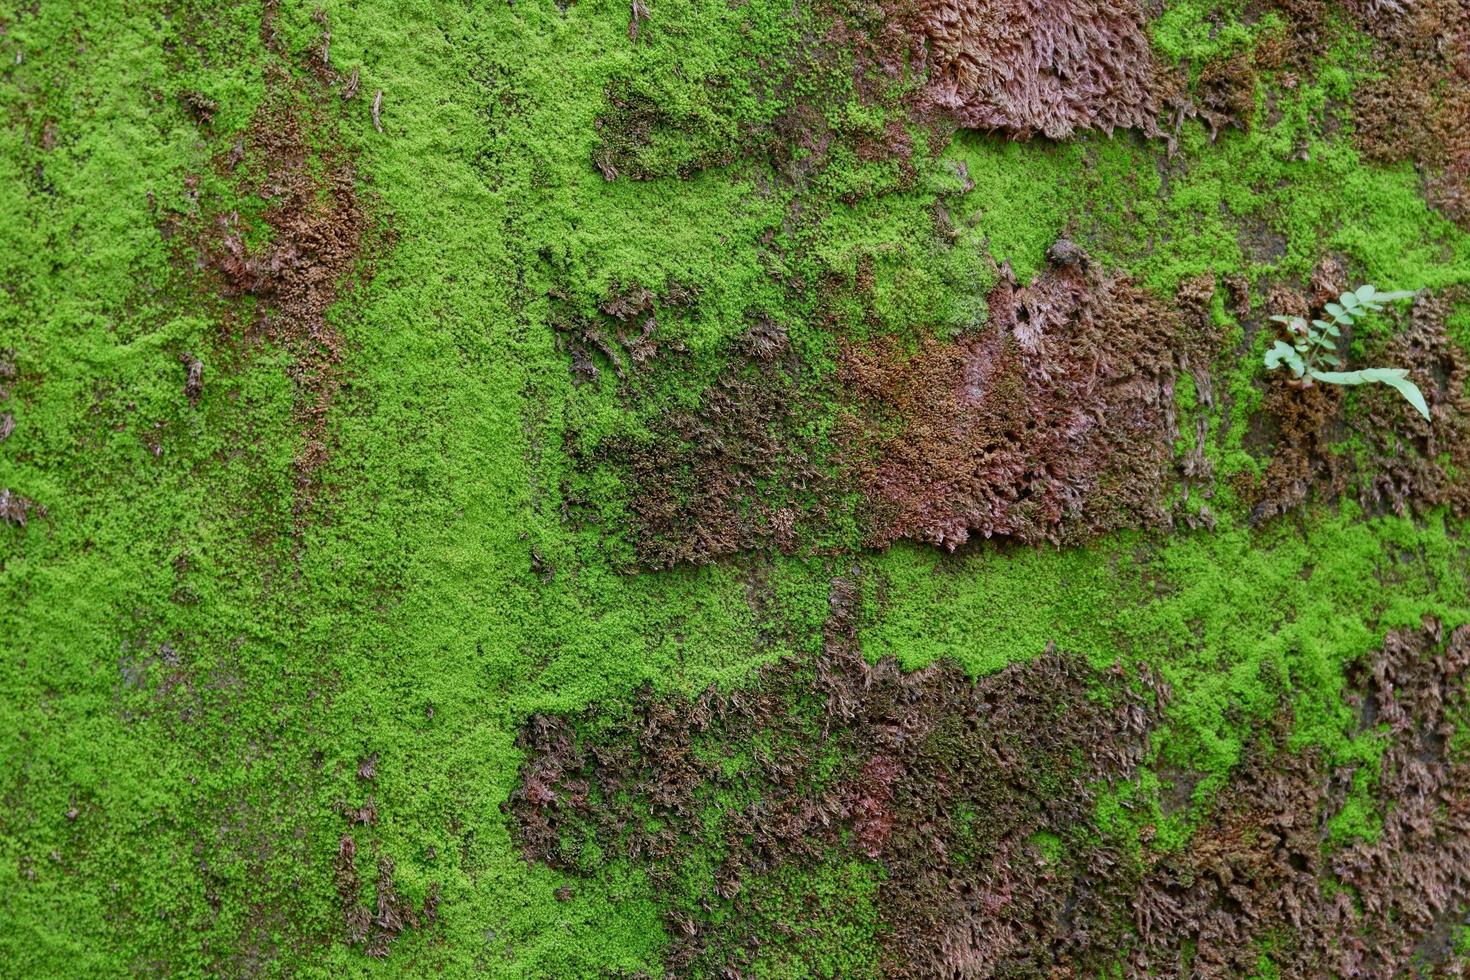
(199, 655)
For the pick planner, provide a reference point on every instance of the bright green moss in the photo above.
(196, 669)
(991, 608)
(1049, 845)
(1201, 30)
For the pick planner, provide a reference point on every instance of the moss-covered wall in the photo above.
(388, 391)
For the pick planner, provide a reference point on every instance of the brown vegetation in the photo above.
(295, 256)
(1409, 463)
(1260, 871)
(626, 332)
(950, 785)
(713, 480)
(374, 929)
(943, 780)
(1420, 108)
(17, 509)
(1398, 461)
(1054, 423)
(1027, 67)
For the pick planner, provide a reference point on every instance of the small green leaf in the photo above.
(1411, 394)
(1396, 378)
(1281, 353)
(1349, 300)
(1341, 377)
(1365, 292)
(1337, 311)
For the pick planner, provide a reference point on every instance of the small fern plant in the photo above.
(1315, 341)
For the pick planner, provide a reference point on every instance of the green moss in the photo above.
(1202, 30)
(1049, 845)
(1266, 968)
(1022, 196)
(1357, 820)
(195, 668)
(992, 608)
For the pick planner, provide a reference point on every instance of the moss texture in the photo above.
(380, 382)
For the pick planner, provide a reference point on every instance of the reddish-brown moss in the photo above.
(1047, 67)
(943, 780)
(374, 929)
(1396, 461)
(1055, 422)
(737, 472)
(1410, 463)
(1261, 870)
(1419, 109)
(314, 230)
(950, 784)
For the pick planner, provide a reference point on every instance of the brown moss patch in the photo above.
(374, 928)
(624, 334)
(943, 781)
(1408, 463)
(17, 509)
(952, 788)
(1225, 94)
(1041, 67)
(1419, 109)
(735, 471)
(1301, 426)
(1054, 423)
(315, 227)
(297, 236)
(1382, 452)
(1260, 870)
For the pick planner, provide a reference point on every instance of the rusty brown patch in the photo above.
(1259, 870)
(625, 332)
(1054, 423)
(1048, 67)
(1225, 94)
(732, 473)
(1409, 463)
(947, 784)
(943, 780)
(1298, 429)
(296, 255)
(373, 929)
(1419, 109)
(17, 509)
(1398, 461)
